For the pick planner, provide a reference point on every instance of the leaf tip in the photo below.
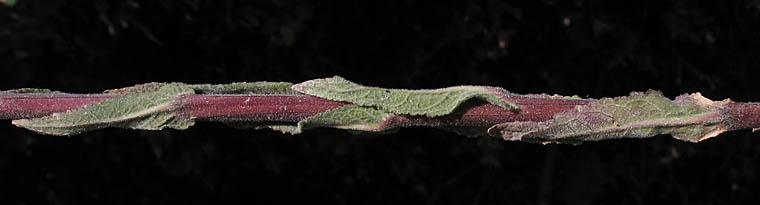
(503, 95)
(513, 131)
(710, 134)
(30, 124)
(298, 87)
(303, 86)
(703, 101)
(20, 122)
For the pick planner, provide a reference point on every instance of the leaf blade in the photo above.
(147, 107)
(350, 117)
(245, 88)
(690, 118)
(431, 103)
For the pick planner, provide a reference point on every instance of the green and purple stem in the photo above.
(283, 108)
(338, 103)
(293, 108)
(742, 115)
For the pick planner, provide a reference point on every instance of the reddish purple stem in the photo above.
(284, 108)
(20, 105)
(743, 115)
(254, 108)
(292, 108)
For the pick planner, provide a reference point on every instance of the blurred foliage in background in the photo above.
(592, 48)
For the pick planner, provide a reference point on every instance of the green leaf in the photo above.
(245, 88)
(350, 117)
(145, 87)
(148, 106)
(689, 117)
(431, 103)
(242, 88)
(31, 90)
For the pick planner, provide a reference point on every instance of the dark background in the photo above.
(591, 48)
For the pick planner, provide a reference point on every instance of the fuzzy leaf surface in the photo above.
(31, 91)
(349, 117)
(689, 117)
(144, 107)
(245, 88)
(431, 103)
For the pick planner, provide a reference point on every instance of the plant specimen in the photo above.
(338, 103)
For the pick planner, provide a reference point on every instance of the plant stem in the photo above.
(253, 108)
(293, 108)
(284, 108)
(743, 115)
(22, 105)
